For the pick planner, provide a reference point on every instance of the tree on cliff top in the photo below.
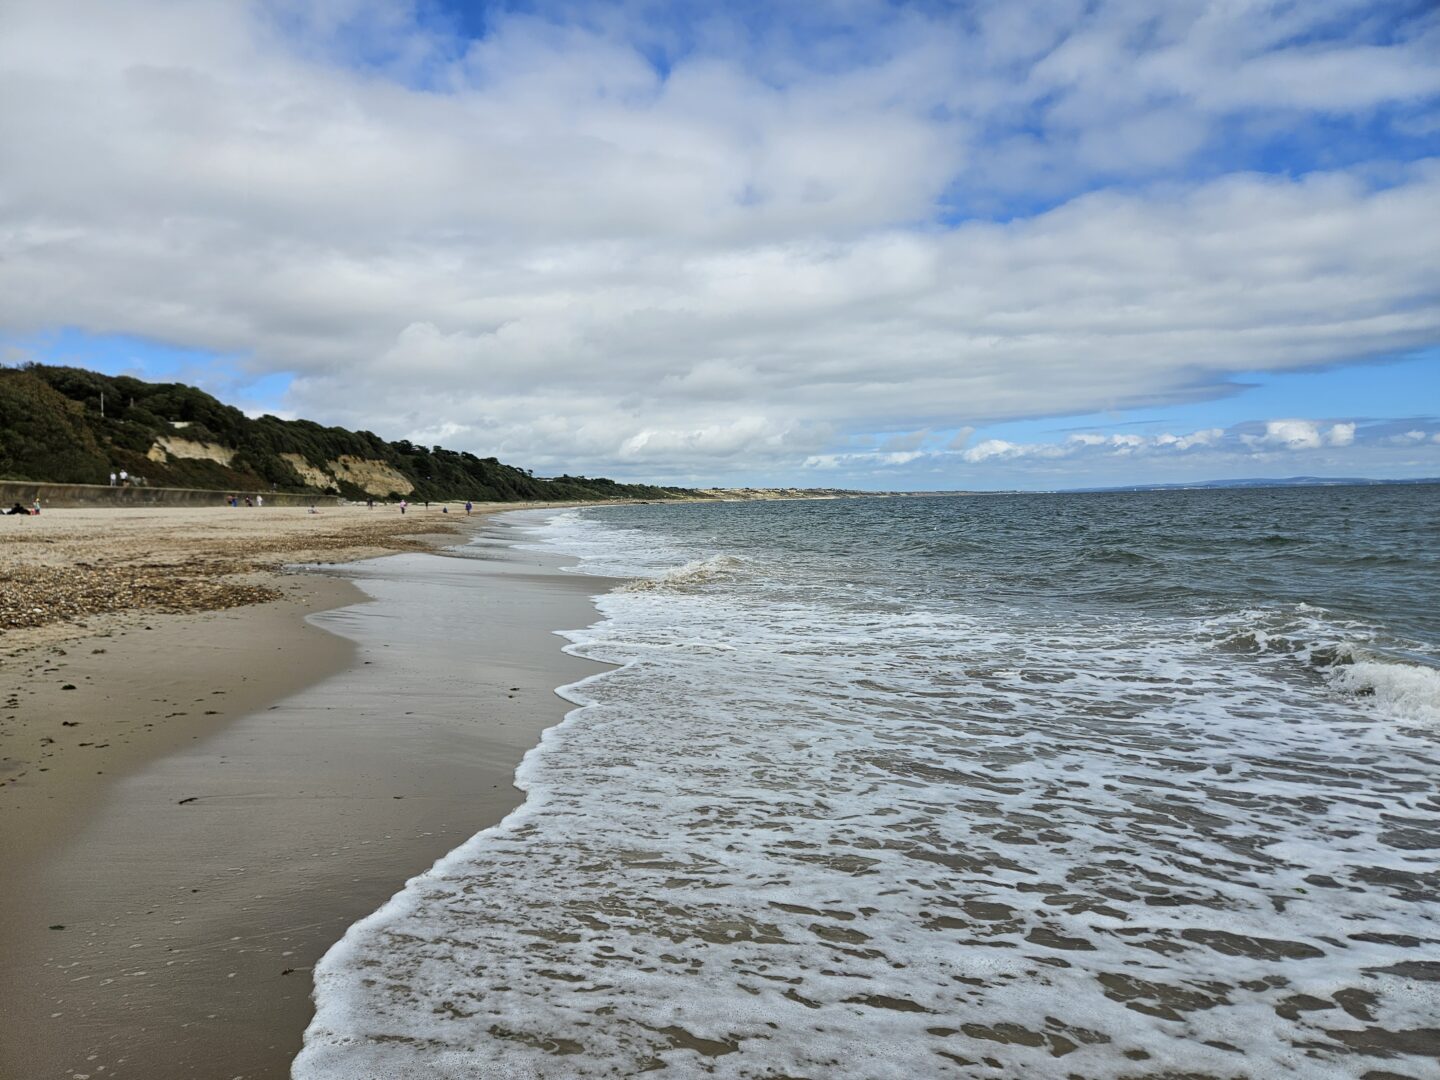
(39, 424)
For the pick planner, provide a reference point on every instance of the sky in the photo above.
(838, 243)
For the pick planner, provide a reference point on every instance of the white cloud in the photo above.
(1207, 448)
(1340, 435)
(1289, 434)
(901, 457)
(543, 247)
(1408, 438)
(993, 448)
(1301, 435)
(1118, 459)
(1206, 437)
(868, 460)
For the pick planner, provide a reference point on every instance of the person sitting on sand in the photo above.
(18, 509)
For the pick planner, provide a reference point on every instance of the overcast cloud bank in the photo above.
(714, 248)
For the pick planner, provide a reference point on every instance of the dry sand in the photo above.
(193, 807)
(61, 569)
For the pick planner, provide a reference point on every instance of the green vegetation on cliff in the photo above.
(52, 429)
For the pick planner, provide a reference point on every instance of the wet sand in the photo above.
(196, 891)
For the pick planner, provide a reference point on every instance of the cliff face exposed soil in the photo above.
(372, 476)
(375, 477)
(167, 447)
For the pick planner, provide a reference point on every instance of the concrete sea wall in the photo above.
(62, 496)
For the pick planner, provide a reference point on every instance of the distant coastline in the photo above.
(1267, 482)
(1196, 485)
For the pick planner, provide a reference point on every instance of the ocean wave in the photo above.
(850, 809)
(806, 829)
(1408, 691)
(1353, 658)
(694, 573)
(1115, 554)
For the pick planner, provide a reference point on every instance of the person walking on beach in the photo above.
(113, 479)
(403, 504)
(469, 506)
(260, 500)
(124, 478)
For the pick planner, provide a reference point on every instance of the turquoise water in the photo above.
(1053, 786)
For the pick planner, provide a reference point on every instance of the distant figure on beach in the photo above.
(312, 509)
(124, 477)
(469, 506)
(444, 509)
(18, 509)
(370, 503)
(403, 505)
(36, 511)
(259, 500)
(114, 479)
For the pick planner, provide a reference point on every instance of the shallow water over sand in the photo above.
(890, 790)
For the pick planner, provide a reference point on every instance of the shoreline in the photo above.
(223, 857)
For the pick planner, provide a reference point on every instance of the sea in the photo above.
(1026, 786)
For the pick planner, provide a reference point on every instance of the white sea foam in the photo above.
(1354, 658)
(805, 831)
(1406, 690)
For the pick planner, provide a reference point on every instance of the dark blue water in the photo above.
(1366, 554)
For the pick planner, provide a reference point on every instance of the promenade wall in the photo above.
(69, 496)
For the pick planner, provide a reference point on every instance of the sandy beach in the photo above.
(210, 765)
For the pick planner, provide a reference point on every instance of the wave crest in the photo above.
(1353, 658)
(1409, 691)
(694, 573)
